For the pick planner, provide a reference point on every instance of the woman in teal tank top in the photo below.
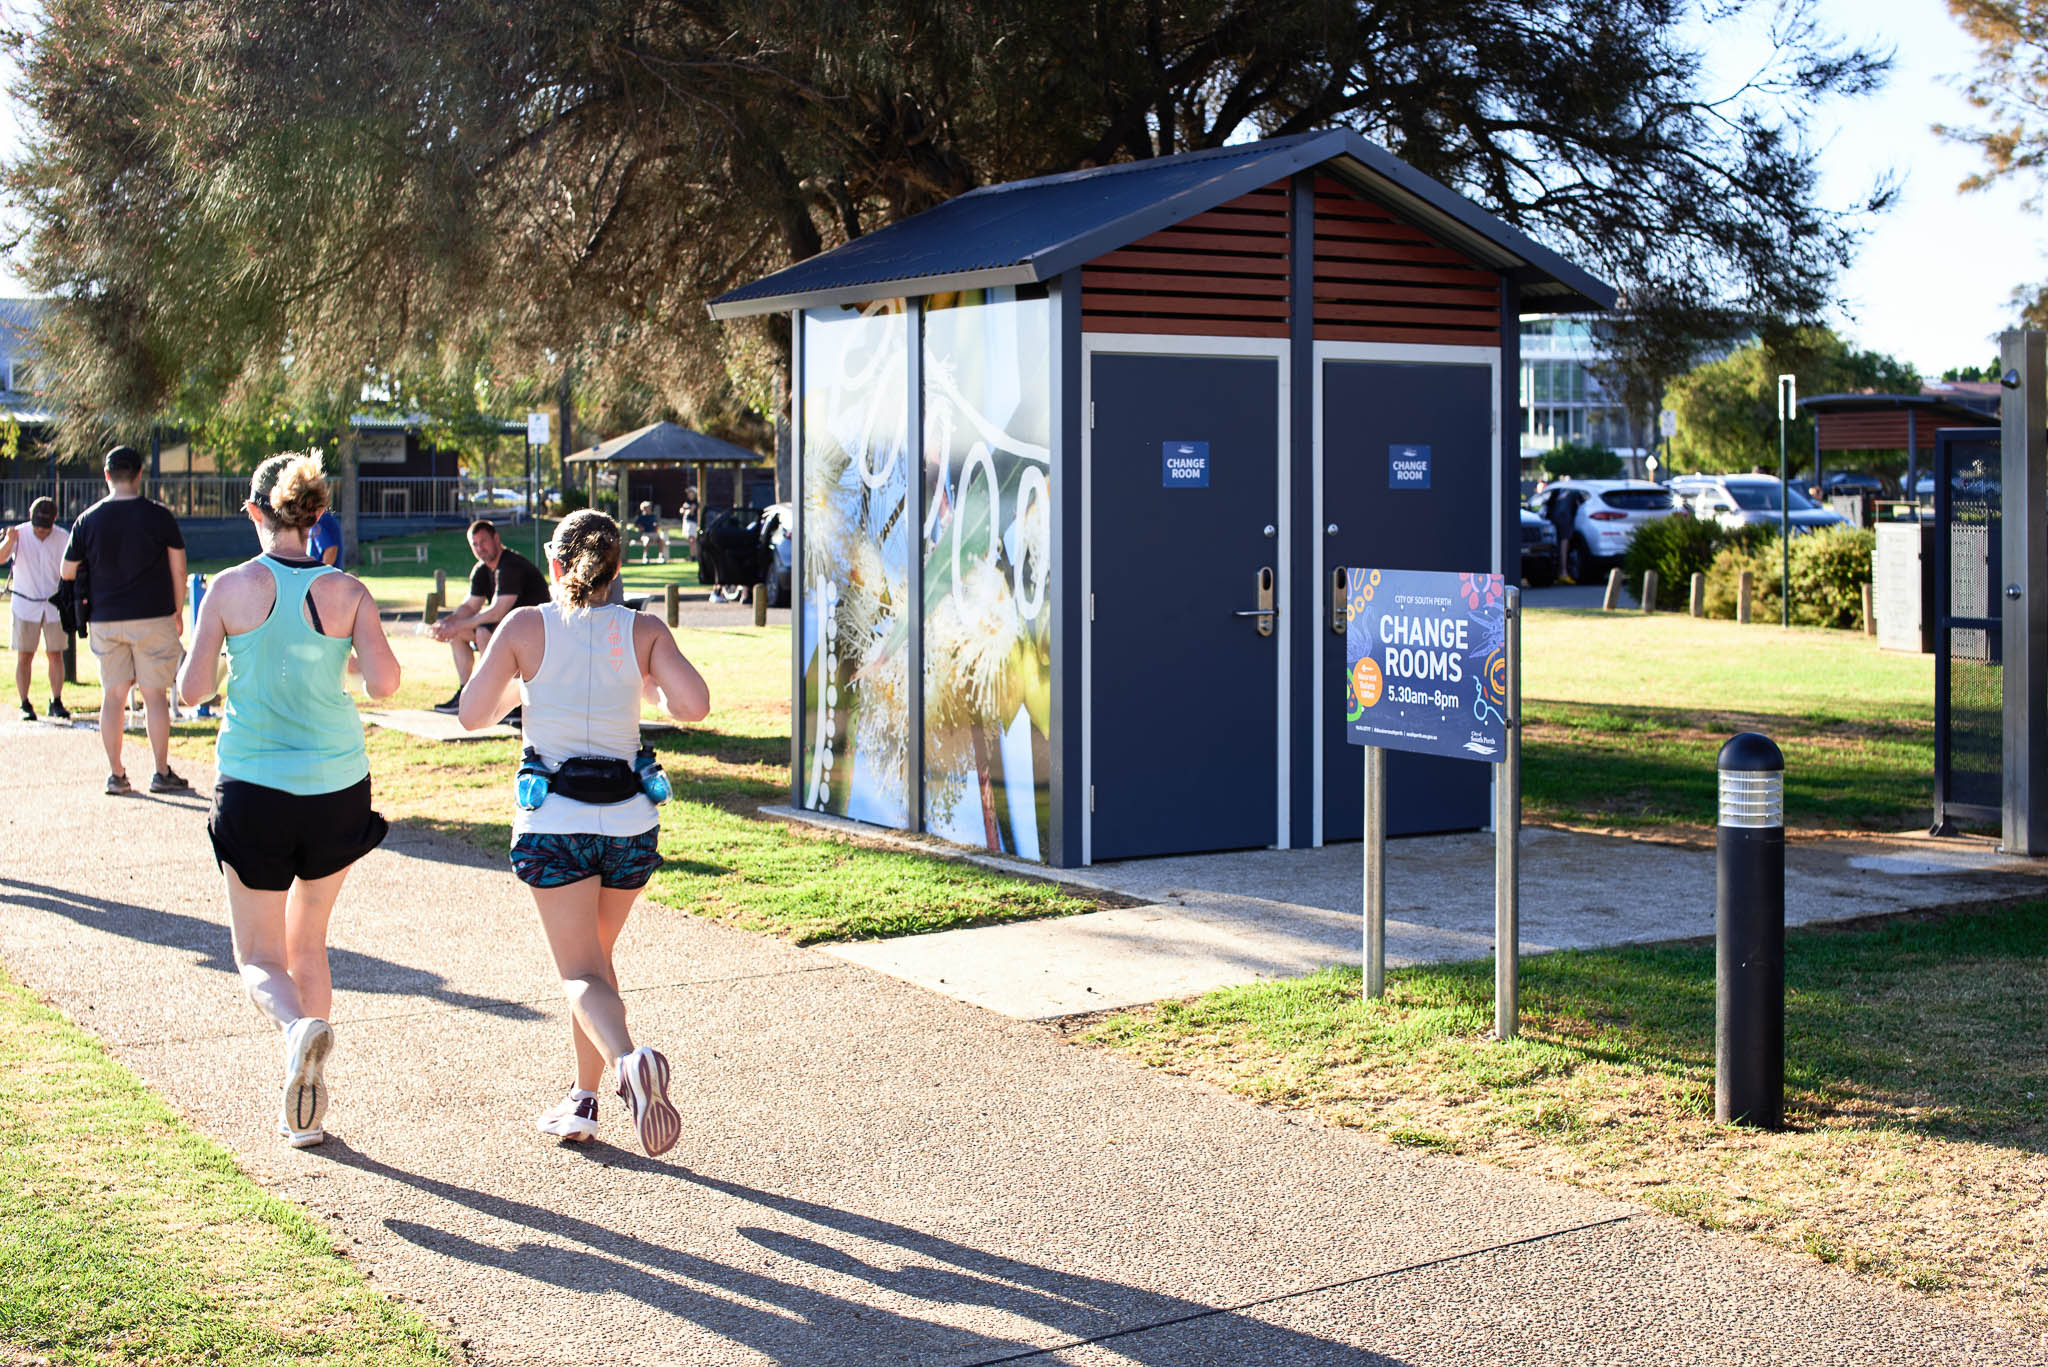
(291, 803)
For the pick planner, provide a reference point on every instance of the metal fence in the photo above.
(202, 496)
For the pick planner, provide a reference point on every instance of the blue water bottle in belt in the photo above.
(653, 781)
(530, 788)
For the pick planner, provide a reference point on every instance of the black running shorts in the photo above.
(269, 837)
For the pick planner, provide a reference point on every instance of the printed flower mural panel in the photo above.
(987, 569)
(856, 562)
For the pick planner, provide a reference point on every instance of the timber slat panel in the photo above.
(1105, 302)
(1386, 292)
(1152, 259)
(1351, 271)
(1397, 313)
(1223, 220)
(1227, 285)
(1173, 239)
(1185, 327)
(1339, 332)
(1412, 253)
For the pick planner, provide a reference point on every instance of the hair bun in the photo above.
(294, 487)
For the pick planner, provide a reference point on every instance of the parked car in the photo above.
(1595, 519)
(738, 548)
(1750, 500)
(1539, 551)
(1851, 482)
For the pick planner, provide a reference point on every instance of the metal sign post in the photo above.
(1788, 399)
(536, 436)
(1435, 667)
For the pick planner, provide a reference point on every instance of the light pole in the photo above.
(1788, 395)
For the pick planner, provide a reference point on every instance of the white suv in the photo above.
(1597, 518)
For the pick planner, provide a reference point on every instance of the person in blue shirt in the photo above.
(324, 544)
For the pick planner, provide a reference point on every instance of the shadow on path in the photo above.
(353, 971)
(794, 1323)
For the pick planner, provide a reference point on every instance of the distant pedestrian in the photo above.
(133, 556)
(585, 826)
(502, 581)
(291, 808)
(37, 549)
(324, 544)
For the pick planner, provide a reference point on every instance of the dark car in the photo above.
(1851, 482)
(741, 547)
(1540, 563)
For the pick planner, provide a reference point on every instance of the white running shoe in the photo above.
(306, 1046)
(643, 1085)
(573, 1118)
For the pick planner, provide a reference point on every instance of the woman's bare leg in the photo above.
(256, 918)
(306, 914)
(281, 945)
(612, 906)
(569, 917)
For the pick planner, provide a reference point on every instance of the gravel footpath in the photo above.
(869, 1173)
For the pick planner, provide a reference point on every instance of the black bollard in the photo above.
(1749, 935)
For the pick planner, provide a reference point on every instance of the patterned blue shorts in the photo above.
(555, 861)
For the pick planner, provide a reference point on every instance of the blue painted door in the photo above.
(1379, 420)
(1184, 483)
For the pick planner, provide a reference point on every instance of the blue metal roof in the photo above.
(1029, 231)
(665, 443)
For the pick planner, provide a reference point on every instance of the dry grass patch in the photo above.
(1917, 1080)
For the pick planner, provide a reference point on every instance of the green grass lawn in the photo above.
(127, 1237)
(1917, 1087)
(1626, 712)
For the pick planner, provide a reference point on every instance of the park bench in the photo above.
(378, 553)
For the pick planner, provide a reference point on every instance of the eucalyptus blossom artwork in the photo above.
(988, 570)
(856, 548)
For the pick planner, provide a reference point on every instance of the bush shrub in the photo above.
(572, 500)
(1576, 460)
(1829, 569)
(1677, 548)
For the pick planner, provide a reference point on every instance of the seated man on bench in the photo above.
(502, 580)
(648, 527)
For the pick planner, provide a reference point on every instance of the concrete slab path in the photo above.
(1219, 920)
(870, 1173)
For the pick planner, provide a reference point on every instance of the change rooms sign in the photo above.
(1427, 659)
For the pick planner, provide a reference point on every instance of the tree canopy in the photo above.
(1728, 409)
(234, 197)
(2011, 88)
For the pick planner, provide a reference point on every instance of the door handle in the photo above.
(1337, 622)
(1265, 611)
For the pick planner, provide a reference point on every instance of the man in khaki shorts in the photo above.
(37, 549)
(134, 559)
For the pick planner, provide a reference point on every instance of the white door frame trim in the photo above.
(1161, 344)
(1405, 354)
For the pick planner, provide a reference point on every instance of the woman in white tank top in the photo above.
(578, 668)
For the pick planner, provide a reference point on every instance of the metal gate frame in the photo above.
(1946, 810)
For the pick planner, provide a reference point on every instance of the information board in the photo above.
(1427, 664)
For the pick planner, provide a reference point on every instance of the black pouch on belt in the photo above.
(595, 778)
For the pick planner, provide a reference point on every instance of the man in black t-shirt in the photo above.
(133, 556)
(502, 580)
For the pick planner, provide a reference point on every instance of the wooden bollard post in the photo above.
(1743, 588)
(1869, 618)
(432, 613)
(441, 585)
(672, 600)
(1613, 598)
(760, 605)
(1649, 590)
(1699, 594)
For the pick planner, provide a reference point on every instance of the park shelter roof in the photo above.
(1886, 422)
(1029, 231)
(412, 422)
(664, 443)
